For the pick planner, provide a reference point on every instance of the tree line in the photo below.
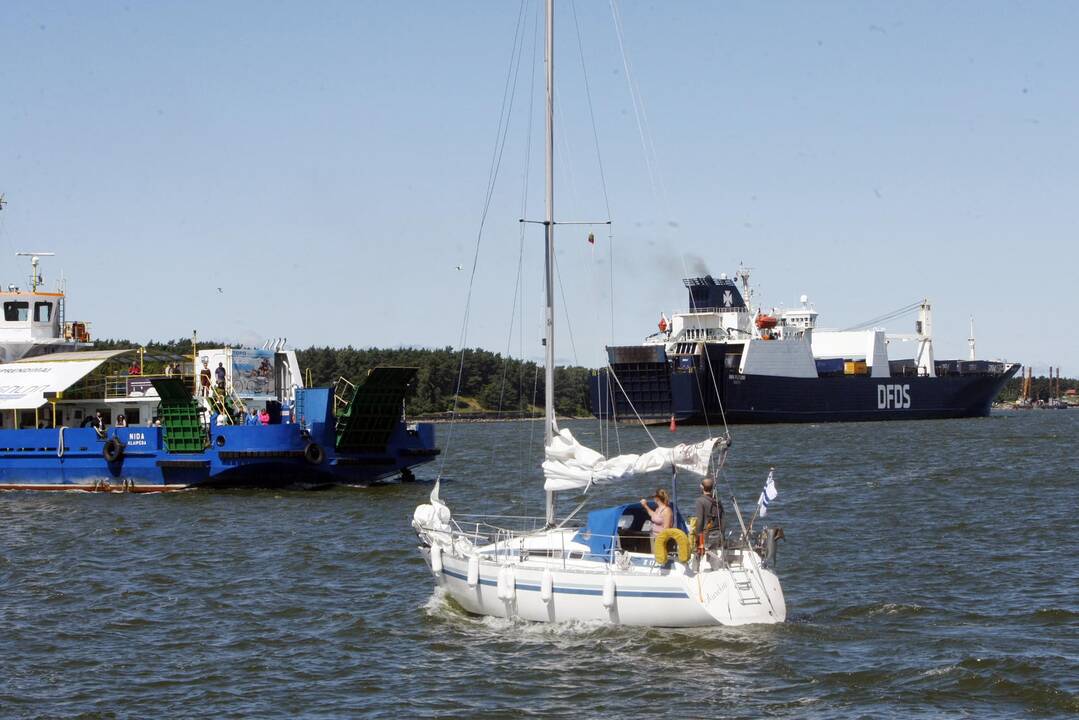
(489, 382)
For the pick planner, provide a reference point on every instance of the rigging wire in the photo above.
(508, 95)
(518, 286)
(659, 191)
(604, 445)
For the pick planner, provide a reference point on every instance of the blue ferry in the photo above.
(76, 418)
(725, 359)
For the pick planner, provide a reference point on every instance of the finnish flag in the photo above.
(768, 494)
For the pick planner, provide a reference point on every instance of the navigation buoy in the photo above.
(546, 586)
(473, 571)
(674, 424)
(436, 559)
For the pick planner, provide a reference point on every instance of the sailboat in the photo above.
(608, 568)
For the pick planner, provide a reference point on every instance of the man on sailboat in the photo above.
(709, 512)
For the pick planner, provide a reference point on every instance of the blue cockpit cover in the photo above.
(602, 526)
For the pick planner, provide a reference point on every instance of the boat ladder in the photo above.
(747, 594)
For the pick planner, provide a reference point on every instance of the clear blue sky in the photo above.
(325, 165)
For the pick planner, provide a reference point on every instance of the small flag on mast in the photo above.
(768, 494)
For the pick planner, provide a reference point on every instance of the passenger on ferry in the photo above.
(204, 379)
(219, 376)
(253, 418)
(709, 512)
(135, 369)
(264, 416)
(168, 370)
(121, 421)
(662, 516)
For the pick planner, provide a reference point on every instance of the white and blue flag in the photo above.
(768, 494)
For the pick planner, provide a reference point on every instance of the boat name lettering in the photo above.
(893, 397)
(136, 438)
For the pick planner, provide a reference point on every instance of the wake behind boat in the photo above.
(613, 567)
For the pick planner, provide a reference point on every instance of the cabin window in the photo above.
(131, 415)
(16, 311)
(42, 312)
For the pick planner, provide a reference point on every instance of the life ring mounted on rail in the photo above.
(113, 450)
(666, 536)
(314, 454)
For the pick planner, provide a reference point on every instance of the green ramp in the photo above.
(366, 423)
(179, 413)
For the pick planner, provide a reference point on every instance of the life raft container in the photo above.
(661, 545)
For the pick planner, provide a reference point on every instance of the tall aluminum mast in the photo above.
(548, 376)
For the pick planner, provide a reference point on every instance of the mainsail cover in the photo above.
(571, 466)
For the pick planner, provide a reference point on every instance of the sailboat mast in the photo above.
(548, 376)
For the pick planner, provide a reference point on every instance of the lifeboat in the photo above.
(766, 322)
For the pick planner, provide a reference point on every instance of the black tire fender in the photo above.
(113, 450)
(314, 454)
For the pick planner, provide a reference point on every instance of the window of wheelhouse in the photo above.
(42, 312)
(16, 311)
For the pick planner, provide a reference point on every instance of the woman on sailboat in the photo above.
(662, 516)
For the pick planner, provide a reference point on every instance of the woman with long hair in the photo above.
(662, 516)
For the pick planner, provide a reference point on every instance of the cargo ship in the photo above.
(726, 360)
(72, 417)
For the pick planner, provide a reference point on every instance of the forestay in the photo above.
(569, 465)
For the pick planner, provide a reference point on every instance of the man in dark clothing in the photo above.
(709, 514)
(219, 375)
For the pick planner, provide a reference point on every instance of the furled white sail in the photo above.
(570, 465)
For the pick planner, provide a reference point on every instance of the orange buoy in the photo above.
(674, 424)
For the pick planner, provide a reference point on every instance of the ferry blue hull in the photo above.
(241, 456)
(660, 394)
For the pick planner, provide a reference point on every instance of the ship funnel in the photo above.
(708, 294)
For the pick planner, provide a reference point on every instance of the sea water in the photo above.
(929, 570)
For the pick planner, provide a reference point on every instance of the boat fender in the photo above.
(113, 450)
(314, 453)
(505, 583)
(511, 584)
(609, 591)
(436, 559)
(546, 586)
(661, 545)
(473, 571)
(771, 536)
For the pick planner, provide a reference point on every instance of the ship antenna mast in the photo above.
(970, 340)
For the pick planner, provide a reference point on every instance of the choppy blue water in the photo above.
(930, 571)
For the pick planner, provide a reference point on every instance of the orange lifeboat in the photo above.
(766, 322)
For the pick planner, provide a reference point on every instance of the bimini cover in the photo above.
(603, 525)
(570, 465)
(23, 383)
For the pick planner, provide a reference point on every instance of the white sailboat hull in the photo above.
(674, 596)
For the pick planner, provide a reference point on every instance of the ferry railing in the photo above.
(118, 387)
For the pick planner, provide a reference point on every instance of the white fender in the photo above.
(511, 583)
(473, 571)
(502, 593)
(546, 586)
(608, 591)
(436, 559)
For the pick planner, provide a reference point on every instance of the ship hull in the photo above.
(242, 456)
(692, 397)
